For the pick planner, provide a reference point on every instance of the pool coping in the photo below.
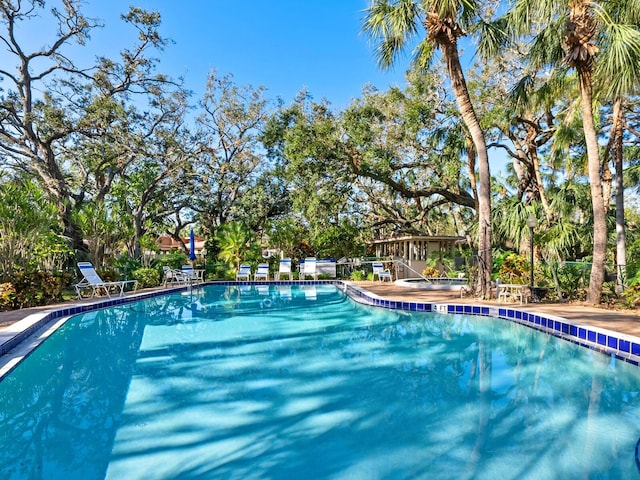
(18, 340)
(623, 346)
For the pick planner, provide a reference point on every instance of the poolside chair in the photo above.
(382, 273)
(91, 280)
(262, 273)
(192, 275)
(171, 276)
(244, 272)
(284, 269)
(310, 270)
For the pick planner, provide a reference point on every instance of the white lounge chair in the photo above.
(382, 273)
(91, 280)
(192, 275)
(284, 269)
(171, 276)
(244, 272)
(262, 273)
(310, 270)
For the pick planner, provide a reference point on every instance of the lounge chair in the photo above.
(310, 270)
(192, 275)
(284, 269)
(244, 272)
(262, 273)
(382, 273)
(91, 280)
(172, 277)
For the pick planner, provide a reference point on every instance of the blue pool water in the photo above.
(293, 383)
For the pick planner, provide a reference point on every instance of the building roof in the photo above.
(413, 238)
(167, 243)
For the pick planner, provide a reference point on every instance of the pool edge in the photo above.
(623, 346)
(17, 341)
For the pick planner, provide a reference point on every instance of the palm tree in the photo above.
(393, 24)
(236, 242)
(592, 37)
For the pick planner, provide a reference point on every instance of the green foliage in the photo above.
(631, 295)
(336, 241)
(514, 269)
(285, 234)
(31, 289)
(146, 277)
(358, 275)
(571, 278)
(175, 260)
(28, 230)
(126, 264)
(237, 244)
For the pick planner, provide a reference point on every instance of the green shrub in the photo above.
(358, 275)
(31, 289)
(146, 277)
(571, 278)
(7, 296)
(514, 269)
(175, 260)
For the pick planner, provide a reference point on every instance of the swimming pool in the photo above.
(296, 381)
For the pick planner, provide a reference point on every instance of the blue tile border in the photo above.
(624, 347)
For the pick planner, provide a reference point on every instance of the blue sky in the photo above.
(283, 45)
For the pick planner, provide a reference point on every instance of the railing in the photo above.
(397, 262)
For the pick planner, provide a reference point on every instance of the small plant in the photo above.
(146, 277)
(7, 296)
(631, 296)
(430, 272)
(514, 269)
(358, 275)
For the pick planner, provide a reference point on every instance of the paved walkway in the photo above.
(623, 321)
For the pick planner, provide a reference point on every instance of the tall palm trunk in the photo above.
(596, 280)
(621, 235)
(470, 119)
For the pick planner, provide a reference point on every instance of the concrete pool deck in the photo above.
(622, 321)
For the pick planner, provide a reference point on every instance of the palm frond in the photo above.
(521, 91)
(423, 55)
(546, 48)
(618, 67)
(390, 24)
(493, 36)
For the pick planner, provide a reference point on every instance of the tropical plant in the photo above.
(175, 260)
(393, 23)
(514, 269)
(29, 233)
(599, 39)
(146, 277)
(237, 244)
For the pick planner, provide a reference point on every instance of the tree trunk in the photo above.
(596, 279)
(621, 234)
(72, 230)
(459, 86)
(138, 232)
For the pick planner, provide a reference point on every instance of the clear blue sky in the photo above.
(283, 45)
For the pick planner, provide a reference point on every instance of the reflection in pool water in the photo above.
(304, 383)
